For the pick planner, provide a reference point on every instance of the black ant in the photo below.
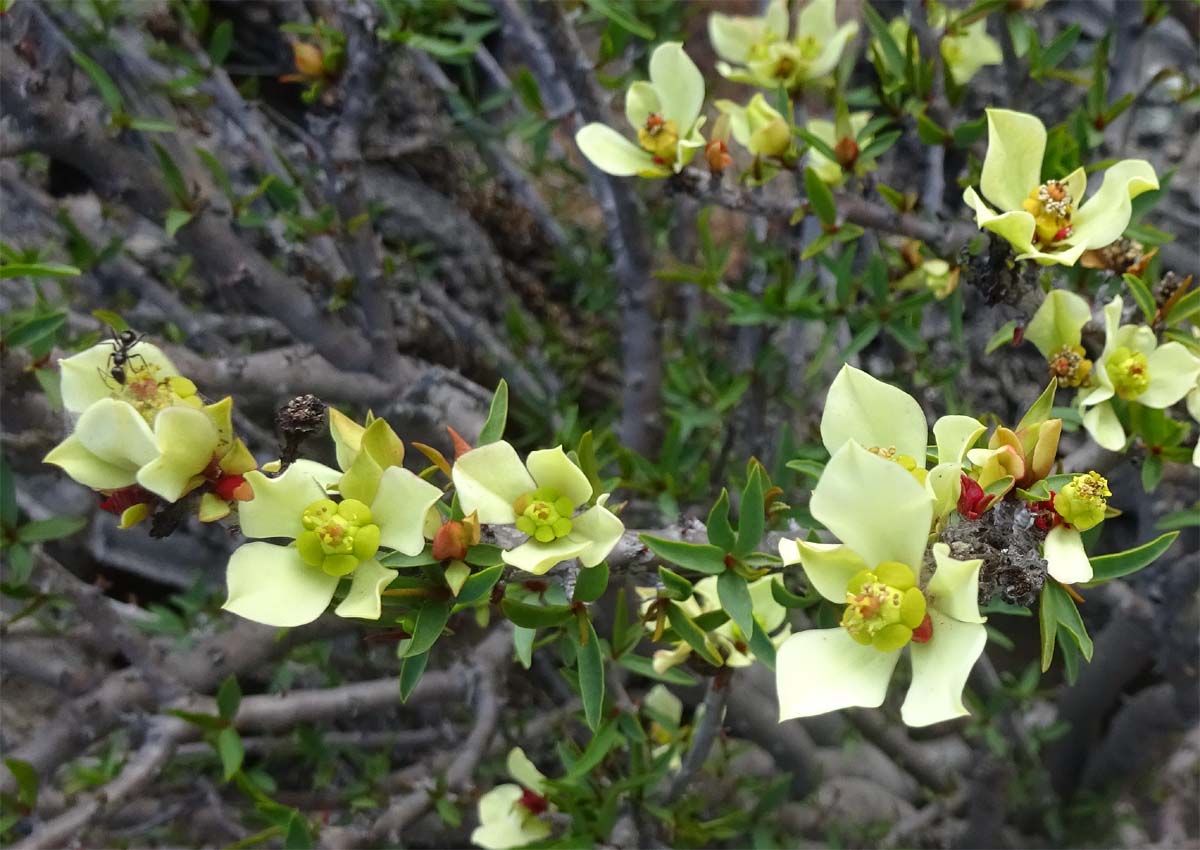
(123, 342)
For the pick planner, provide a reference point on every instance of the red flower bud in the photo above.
(233, 488)
(451, 541)
(973, 501)
(461, 446)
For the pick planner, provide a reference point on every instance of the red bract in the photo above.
(233, 487)
(973, 501)
(1044, 515)
(119, 501)
(536, 803)
(923, 632)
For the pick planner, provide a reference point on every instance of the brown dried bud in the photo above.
(455, 537)
(717, 154)
(847, 152)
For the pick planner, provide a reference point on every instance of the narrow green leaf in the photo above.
(819, 144)
(54, 528)
(229, 748)
(113, 320)
(604, 739)
(175, 220)
(1001, 337)
(204, 721)
(687, 630)
(619, 16)
(1048, 619)
(893, 59)
(1057, 50)
(586, 452)
(675, 585)
(534, 616)
(720, 532)
(493, 428)
(34, 330)
(221, 42)
(298, 836)
(108, 90)
(1069, 619)
(1108, 567)
(1039, 411)
(762, 647)
(151, 125)
(176, 185)
(400, 560)
(589, 660)
(644, 667)
(820, 198)
(8, 270)
(930, 132)
(788, 599)
(751, 513)
(479, 584)
(735, 599)
(229, 697)
(411, 670)
(431, 620)
(1141, 294)
(698, 557)
(8, 496)
(879, 145)
(27, 781)
(591, 583)
(485, 555)
(523, 644)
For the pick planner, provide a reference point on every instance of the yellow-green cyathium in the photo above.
(1135, 368)
(1082, 504)
(758, 126)
(890, 423)
(1056, 329)
(665, 114)
(727, 641)
(757, 50)
(151, 429)
(540, 497)
(1045, 220)
(882, 517)
(510, 815)
(289, 585)
(831, 171)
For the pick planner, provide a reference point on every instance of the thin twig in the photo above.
(704, 735)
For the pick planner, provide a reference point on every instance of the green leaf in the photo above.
(113, 320)
(621, 18)
(1048, 619)
(534, 616)
(108, 90)
(8, 496)
(176, 185)
(54, 528)
(34, 330)
(27, 782)
(8, 270)
(450, 814)
(411, 670)
(969, 132)
(479, 585)
(1069, 619)
(1039, 411)
(591, 583)
(586, 452)
(893, 59)
(720, 532)
(687, 630)
(175, 220)
(751, 513)
(735, 599)
(431, 620)
(221, 42)
(788, 599)
(217, 170)
(204, 721)
(674, 585)
(523, 644)
(1186, 518)
(589, 659)
(151, 125)
(930, 132)
(1152, 471)
(1108, 567)
(229, 697)
(493, 428)
(822, 146)
(1141, 294)
(400, 560)
(604, 739)
(1057, 50)
(485, 555)
(298, 836)
(1001, 337)
(698, 557)
(229, 748)
(762, 647)
(820, 198)
(644, 667)
(879, 145)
